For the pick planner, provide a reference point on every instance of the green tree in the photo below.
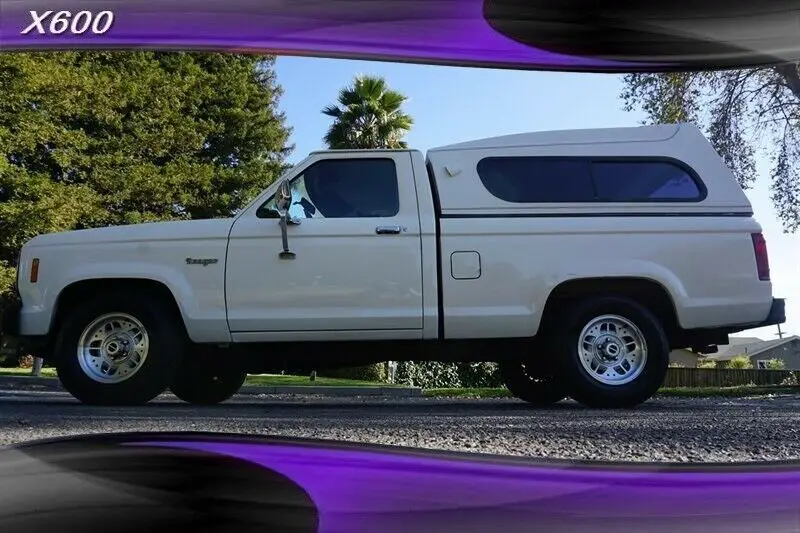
(740, 362)
(96, 138)
(776, 364)
(707, 363)
(368, 114)
(743, 112)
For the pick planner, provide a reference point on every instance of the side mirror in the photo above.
(283, 200)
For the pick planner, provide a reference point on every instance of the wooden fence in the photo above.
(723, 377)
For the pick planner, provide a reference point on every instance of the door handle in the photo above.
(388, 230)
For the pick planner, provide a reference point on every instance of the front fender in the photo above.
(198, 293)
(174, 280)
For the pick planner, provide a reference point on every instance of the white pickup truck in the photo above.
(575, 259)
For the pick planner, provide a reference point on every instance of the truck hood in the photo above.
(150, 232)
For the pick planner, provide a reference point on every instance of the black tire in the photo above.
(532, 383)
(588, 390)
(207, 379)
(166, 339)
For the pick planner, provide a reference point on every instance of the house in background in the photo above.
(689, 359)
(759, 351)
(684, 358)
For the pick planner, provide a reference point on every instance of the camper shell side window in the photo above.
(532, 179)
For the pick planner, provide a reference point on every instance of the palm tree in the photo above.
(368, 114)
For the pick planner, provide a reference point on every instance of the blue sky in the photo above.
(453, 104)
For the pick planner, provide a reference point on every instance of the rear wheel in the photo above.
(532, 382)
(612, 352)
(119, 348)
(204, 379)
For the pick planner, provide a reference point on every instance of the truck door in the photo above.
(357, 265)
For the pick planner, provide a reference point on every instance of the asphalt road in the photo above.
(660, 430)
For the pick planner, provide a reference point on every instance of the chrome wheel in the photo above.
(113, 348)
(612, 350)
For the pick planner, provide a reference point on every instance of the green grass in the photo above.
(681, 392)
(728, 392)
(46, 372)
(264, 380)
(273, 380)
(467, 393)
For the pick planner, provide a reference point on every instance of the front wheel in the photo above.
(203, 379)
(118, 348)
(613, 352)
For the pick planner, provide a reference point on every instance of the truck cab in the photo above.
(362, 240)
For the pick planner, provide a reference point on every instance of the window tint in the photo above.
(632, 181)
(559, 180)
(537, 179)
(344, 188)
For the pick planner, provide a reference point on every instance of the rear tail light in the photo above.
(762, 257)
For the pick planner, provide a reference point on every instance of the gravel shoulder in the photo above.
(663, 429)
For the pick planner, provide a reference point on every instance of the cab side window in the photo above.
(343, 188)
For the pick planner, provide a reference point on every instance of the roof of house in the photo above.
(749, 346)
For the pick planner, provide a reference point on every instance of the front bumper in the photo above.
(11, 337)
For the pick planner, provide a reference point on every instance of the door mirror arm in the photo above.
(283, 199)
